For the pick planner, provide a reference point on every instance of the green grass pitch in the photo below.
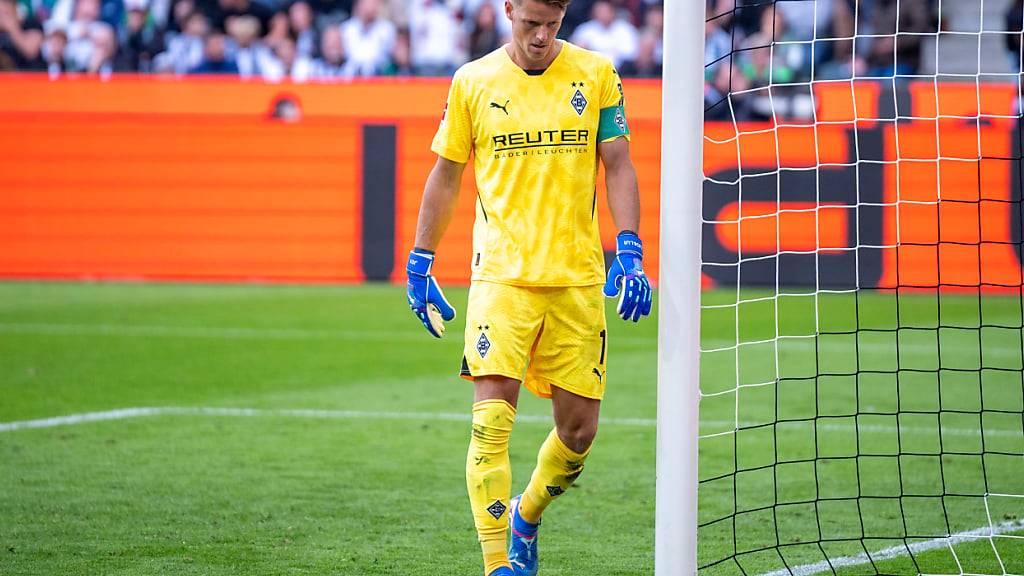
(325, 475)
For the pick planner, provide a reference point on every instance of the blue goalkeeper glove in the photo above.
(626, 278)
(425, 297)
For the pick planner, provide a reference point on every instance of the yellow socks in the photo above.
(557, 468)
(489, 478)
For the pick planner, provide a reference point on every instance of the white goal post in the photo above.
(860, 233)
(679, 289)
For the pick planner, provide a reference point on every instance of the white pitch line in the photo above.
(139, 412)
(127, 413)
(803, 570)
(72, 419)
(897, 551)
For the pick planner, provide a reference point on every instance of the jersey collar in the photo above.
(558, 58)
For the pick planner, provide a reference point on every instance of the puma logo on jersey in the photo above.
(501, 107)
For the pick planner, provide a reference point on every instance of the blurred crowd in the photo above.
(301, 39)
(751, 44)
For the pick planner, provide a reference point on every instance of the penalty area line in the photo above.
(143, 412)
(985, 532)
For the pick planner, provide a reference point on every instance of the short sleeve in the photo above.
(454, 138)
(613, 123)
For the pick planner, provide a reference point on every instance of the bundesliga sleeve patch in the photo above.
(612, 124)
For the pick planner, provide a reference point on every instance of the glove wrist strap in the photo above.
(627, 242)
(420, 263)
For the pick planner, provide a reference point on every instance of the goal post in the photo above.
(679, 289)
(841, 297)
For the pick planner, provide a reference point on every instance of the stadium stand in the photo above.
(298, 40)
(749, 43)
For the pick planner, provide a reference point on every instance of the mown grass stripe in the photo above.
(146, 411)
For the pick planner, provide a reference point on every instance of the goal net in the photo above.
(862, 360)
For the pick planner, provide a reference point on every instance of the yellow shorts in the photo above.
(543, 336)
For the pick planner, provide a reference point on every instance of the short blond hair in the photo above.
(561, 4)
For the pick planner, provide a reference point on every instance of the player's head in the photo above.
(535, 24)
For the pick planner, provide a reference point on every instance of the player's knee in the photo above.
(497, 387)
(578, 436)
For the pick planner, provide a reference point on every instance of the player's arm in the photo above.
(620, 180)
(439, 198)
(626, 278)
(440, 195)
(453, 145)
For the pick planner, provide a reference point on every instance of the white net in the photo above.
(862, 364)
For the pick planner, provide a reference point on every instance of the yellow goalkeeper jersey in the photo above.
(534, 138)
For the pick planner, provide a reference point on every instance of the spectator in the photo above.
(250, 55)
(104, 50)
(20, 39)
(332, 62)
(158, 14)
(628, 11)
(331, 10)
(109, 11)
(180, 11)
(290, 64)
(649, 51)
(140, 39)
(222, 10)
(53, 51)
(914, 18)
(484, 38)
(717, 43)
(87, 38)
(647, 5)
(738, 18)
(278, 31)
(397, 12)
(368, 39)
(435, 38)
(576, 13)
(300, 21)
(721, 75)
(791, 56)
(760, 64)
(806, 20)
(469, 10)
(185, 50)
(401, 59)
(215, 57)
(845, 62)
(604, 33)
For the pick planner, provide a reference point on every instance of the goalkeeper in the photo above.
(535, 115)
